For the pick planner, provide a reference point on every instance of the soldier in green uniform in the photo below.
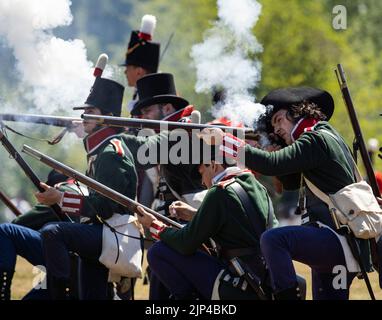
(317, 152)
(110, 163)
(175, 181)
(158, 101)
(41, 214)
(235, 212)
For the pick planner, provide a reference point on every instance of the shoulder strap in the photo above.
(255, 219)
(318, 193)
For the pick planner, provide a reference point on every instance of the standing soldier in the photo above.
(110, 163)
(142, 56)
(315, 151)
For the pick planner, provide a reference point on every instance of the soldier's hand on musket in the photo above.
(145, 218)
(50, 196)
(78, 129)
(212, 136)
(182, 210)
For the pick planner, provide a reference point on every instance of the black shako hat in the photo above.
(285, 98)
(106, 95)
(157, 88)
(141, 50)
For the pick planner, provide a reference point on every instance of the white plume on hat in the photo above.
(372, 144)
(148, 24)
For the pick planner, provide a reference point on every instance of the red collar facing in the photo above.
(180, 114)
(304, 125)
(96, 139)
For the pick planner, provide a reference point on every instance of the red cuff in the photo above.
(231, 146)
(156, 228)
(72, 203)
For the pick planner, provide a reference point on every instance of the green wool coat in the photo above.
(114, 170)
(315, 154)
(182, 177)
(221, 217)
(41, 214)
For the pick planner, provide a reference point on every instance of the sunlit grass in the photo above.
(23, 282)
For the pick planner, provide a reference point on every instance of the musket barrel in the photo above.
(10, 204)
(358, 132)
(40, 119)
(27, 169)
(158, 124)
(342, 73)
(95, 185)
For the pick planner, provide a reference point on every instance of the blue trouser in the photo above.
(58, 239)
(184, 275)
(158, 291)
(317, 247)
(18, 240)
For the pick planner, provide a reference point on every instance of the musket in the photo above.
(96, 186)
(359, 144)
(10, 204)
(28, 171)
(161, 124)
(166, 46)
(359, 141)
(40, 119)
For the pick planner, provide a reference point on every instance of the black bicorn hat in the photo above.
(141, 50)
(285, 98)
(157, 88)
(106, 95)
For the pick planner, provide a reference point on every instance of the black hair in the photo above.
(305, 109)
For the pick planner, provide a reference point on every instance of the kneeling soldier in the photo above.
(110, 163)
(316, 157)
(235, 212)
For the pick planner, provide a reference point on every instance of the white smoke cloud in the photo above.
(225, 60)
(54, 74)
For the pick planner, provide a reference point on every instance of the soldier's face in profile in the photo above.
(208, 173)
(133, 74)
(157, 111)
(282, 126)
(90, 125)
(153, 112)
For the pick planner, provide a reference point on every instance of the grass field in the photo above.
(23, 282)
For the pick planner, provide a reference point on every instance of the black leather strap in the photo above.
(257, 221)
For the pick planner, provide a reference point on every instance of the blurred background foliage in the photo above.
(301, 47)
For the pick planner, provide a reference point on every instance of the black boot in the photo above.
(5, 285)
(59, 288)
(289, 294)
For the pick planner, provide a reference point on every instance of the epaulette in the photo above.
(117, 144)
(225, 183)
